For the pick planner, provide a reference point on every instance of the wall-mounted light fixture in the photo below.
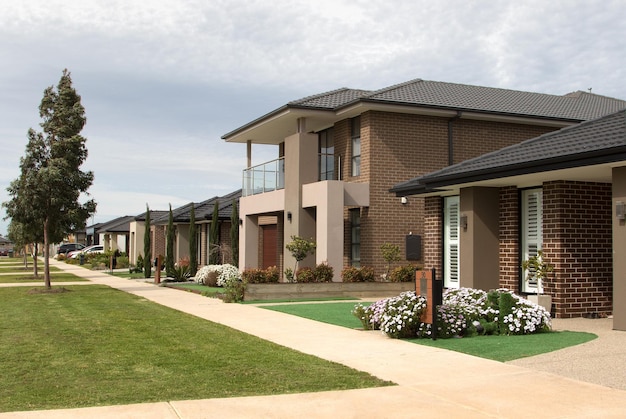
(404, 200)
(240, 222)
(463, 222)
(620, 210)
(289, 216)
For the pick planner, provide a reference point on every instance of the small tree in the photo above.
(193, 244)
(391, 253)
(234, 233)
(538, 269)
(214, 236)
(147, 260)
(45, 196)
(169, 255)
(300, 248)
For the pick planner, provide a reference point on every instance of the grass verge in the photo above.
(54, 277)
(498, 348)
(98, 346)
(22, 269)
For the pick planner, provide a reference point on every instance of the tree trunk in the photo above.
(26, 257)
(46, 255)
(35, 265)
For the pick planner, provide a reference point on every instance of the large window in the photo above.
(355, 237)
(451, 242)
(327, 155)
(355, 134)
(532, 233)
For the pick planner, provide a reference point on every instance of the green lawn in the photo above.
(499, 348)
(334, 313)
(98, 346)
(28, 277)
(20, 268)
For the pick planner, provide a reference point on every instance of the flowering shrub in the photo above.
(225, 273)
(228, 273)
(464, 312)
(401, 316)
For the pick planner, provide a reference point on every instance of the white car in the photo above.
(96, 248)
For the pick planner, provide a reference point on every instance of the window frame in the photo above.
(451, 241)
(531, 233)
(355, 237)
(355, 137)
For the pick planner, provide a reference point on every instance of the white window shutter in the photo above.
(451, 242)
(532, 232)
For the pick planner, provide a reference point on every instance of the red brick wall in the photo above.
(577, 240)
(509, 238)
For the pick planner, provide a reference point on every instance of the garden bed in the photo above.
(259, 292)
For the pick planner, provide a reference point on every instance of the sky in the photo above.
(162, 81)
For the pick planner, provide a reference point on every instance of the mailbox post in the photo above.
(427, 285)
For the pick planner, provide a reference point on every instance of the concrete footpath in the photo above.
(432, 383)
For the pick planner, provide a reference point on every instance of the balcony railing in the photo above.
(265, 177)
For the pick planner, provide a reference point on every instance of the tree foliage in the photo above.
(300, 248)
(45, 197)
(234, 233)
(214, 236)
(147, 260)
(193, 243)
(169, 252)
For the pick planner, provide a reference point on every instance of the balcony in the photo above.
(265, 177)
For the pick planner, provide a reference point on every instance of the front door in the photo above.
(269, 246)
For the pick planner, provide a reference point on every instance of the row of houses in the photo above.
(480, 178)
(127, 233)
(468, 180)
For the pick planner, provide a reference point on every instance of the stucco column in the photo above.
(301, 167)
(248, 238)
(619, 250)
(479, 243)
(182, 241)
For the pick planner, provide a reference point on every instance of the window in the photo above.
(326, 155)
(532, 232)
(451, 242)
(355, 237)
(355, 134)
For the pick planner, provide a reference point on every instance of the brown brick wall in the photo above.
(509, 238)
(396, 147)
(433, 226)
(577, 240)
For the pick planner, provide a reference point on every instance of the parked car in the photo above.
(4, 252)
(96, 248)
(65, 248)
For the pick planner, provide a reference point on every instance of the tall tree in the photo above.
(214, 236)
(193, 243)
(21, 238)
(45, 196)
(147, 252)
(234, 233)
(169, 256)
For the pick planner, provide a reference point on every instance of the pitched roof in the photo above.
(203, 210)
(117, 225)
(602, 140)
(154, 214)
(440, 96)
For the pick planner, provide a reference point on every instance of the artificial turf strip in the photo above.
(99, 346)
(339, 314)
(499, 348)
(54, 277)
(508, 348)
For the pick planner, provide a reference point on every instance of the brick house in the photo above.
(203, 212)
(340, 152)
(563, 193)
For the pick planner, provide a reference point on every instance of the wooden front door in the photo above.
(270, 256)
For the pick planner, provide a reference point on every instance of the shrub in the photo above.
(403, 274)
(207, 275)
(305, 275)
(464, 312)
(261, 276)
(272, 275)
(401, 316)
(323, 273)
(227, 273)
(352, 274)
(182, 270)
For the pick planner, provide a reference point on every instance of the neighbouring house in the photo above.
(563, 193)
(204, 217)
(115, 234)
(137, 231)
(340, 152)
(6, 246)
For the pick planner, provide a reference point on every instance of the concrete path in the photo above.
(432, 383)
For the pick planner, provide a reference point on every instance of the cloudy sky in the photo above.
(162, 81)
